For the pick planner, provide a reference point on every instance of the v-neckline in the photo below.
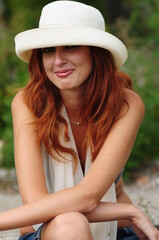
(74, 147)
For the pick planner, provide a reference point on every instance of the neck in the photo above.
(73, 102)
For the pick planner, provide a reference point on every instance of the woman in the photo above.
(72, 131)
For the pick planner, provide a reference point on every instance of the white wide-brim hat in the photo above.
(65, 23)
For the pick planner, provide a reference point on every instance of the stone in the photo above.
(144, 180)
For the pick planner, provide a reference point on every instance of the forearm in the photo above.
(49, 207)
(123, 198)
(121, 211)
(111, 211)
(43, 210)
(104, 211)
(46, 209)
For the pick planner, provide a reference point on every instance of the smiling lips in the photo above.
(63, 73)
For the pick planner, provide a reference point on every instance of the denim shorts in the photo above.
(125, 233)
(33, 235)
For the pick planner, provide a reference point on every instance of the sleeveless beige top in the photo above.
(60, 175)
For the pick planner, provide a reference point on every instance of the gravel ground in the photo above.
(145, 193)
(9, 235)
(143, 190)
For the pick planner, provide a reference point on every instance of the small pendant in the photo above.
(77, 123)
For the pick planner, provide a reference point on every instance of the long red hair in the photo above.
(103, 99)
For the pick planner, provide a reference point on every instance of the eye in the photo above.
(48, 50)
(70, 47)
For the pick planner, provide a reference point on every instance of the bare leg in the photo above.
(68, 226)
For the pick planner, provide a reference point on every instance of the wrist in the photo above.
(135, 213)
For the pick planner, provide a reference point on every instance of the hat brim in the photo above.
(65, 35)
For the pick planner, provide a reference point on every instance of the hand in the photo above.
(138, 232)
(143, 227)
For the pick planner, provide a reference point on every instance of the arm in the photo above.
(126, 214)
(86, 196)
(40, 211)
(122, 197)
(123, 211)
(116, 148)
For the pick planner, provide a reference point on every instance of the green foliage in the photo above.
(7, 132)
(13, 74)
(139, 33)
(145, 19)
(142, 67)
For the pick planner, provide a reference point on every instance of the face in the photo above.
(67, 67)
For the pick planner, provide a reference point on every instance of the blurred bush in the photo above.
(140, 33)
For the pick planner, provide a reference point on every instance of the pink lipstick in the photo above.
(63, 73)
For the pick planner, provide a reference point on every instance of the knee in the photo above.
(71, 223)
(68, 226)
(75, 221)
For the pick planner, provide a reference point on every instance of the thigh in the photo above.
(126, 233)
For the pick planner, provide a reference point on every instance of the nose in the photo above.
(60, 57)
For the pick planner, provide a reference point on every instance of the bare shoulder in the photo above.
(17, 100)
(134, 99)
(20, 110)
(135, 103)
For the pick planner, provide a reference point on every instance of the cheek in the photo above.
(47, 67)
(47, 63)
(85, 71)
(88, 66)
